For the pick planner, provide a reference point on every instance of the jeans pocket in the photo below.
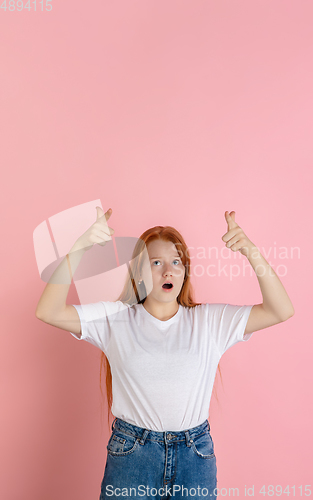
(121, 444)
(203, 445)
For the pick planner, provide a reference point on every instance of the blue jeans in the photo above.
(151, 465)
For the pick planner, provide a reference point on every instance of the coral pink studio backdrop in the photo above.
(170, 112)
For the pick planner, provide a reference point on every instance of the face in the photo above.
(165, 266)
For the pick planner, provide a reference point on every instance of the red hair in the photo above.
(133, 294)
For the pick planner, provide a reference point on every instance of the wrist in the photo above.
(253, 252)
(79, 246)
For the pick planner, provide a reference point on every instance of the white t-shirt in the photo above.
(163, 371)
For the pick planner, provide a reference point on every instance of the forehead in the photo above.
(158, 248)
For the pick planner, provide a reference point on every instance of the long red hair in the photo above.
(133, 293)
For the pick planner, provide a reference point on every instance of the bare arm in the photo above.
(52, 307)
(276, 306)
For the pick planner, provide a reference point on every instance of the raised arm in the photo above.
(52, 307)
(276, 306)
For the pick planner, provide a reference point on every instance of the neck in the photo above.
(160, 310)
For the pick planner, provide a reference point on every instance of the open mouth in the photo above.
(167, 285)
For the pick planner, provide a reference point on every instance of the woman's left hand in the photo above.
(235, 238)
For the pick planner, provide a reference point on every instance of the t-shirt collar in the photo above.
(159, 322)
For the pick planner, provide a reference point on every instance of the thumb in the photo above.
(100, 212)
(233, 214)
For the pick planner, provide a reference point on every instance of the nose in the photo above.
(168, 270)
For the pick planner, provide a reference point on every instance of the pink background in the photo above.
(170, 112)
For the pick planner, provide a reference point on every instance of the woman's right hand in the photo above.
(99, 232)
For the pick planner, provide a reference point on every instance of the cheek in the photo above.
(155, 272)
(181, 272)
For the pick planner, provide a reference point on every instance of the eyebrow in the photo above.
(161, 257)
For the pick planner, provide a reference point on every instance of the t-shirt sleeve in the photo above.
(95, 321)
(227, 323)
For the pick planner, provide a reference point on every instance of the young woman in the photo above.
(163, 351)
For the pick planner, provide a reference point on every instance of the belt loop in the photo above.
(187, 439)
(143, 437)
(208, 425)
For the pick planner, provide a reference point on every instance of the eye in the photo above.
(177, 260)
(155, 261)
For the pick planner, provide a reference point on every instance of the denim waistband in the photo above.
(141, 432)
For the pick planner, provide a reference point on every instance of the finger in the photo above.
(230, 216)
(233, 240)
(230, 234)
(101, 240)
(230, 219)
(100, 213)
(108, 213)
(237, 246)
(105, 231)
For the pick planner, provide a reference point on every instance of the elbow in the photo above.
(37, 311)
(39, 316)
(291, 313)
